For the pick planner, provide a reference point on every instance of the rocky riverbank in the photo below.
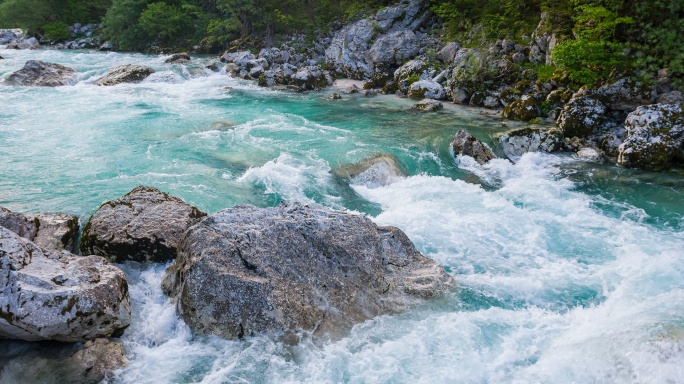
(396, 51)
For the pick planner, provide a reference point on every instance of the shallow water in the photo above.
(568, 272)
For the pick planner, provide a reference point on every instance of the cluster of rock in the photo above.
(49, 293)
(41, 73)
(276, 67)
(238, 272)
(84, 37)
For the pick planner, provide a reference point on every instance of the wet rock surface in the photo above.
(465, 144)
(125, 74)
(517, 142)
(145, 225)
(50, 295)
(43, 74)
(374, 171)
(49, 230)
(248, 270)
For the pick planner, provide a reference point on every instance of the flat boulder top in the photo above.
(41, 73)
(248, 270)
(144, 225)
(125, 74)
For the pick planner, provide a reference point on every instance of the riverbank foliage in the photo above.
(596, 38)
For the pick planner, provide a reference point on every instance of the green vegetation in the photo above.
(596, 39)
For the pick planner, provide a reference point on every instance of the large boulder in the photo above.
(387, 38)
(125, 74)
(30, 43)
(626, 95)
(239, 58)
(311, 78)
(50, 295)
(374, 171)
(517, 142)
(426, 89)
(655, 137)
(7, 37)
(248, 270)
(41, 73)
(581, 115)
(144, 225)
(465, 144)
(49, 230)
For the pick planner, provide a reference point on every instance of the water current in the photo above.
(568, 271)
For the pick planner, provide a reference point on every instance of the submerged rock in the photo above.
(374, 171)
(182, 57)
(41, 73)
(95, 361)
(248, 270)
(50, 230)
(125, 74)
(428, 105)
(590, 154)
(144, 225)
(465, 144)
(655, 137)
(517, 142)
(50, 295)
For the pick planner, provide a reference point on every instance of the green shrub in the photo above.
(165, 23)
(56, 31)
(589, 61)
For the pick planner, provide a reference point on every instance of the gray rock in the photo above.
(58, 296)
(626, 95)
(348, 50)
(7, 36)
(525, 109)
(275, 55)
(125, 74)
(106, 46)
(56, 231)
(30, 43)
(335, 96)
(426, 89)
(94, 362)
(673, 97)
(379, 170)
(18, 223)
(48, 230)
(517, 142)
(581, 115)
(394, 48)
(144, 225)
(238, 58)
(352, 89)
(491, 102)
(232, 69)
(590, 154)
(428, 105)
(41, 73)
(448, 53)
(182, 57)
(311, 78)
(655, 137)
(248, 270)
(465, 144)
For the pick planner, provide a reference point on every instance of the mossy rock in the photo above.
(524, 109)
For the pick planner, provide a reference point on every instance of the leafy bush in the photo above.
(589, 61)
(56, 30)
(165, 23)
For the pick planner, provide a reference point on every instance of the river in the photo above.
(568, 271)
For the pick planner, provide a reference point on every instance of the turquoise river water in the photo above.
(568, 272)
